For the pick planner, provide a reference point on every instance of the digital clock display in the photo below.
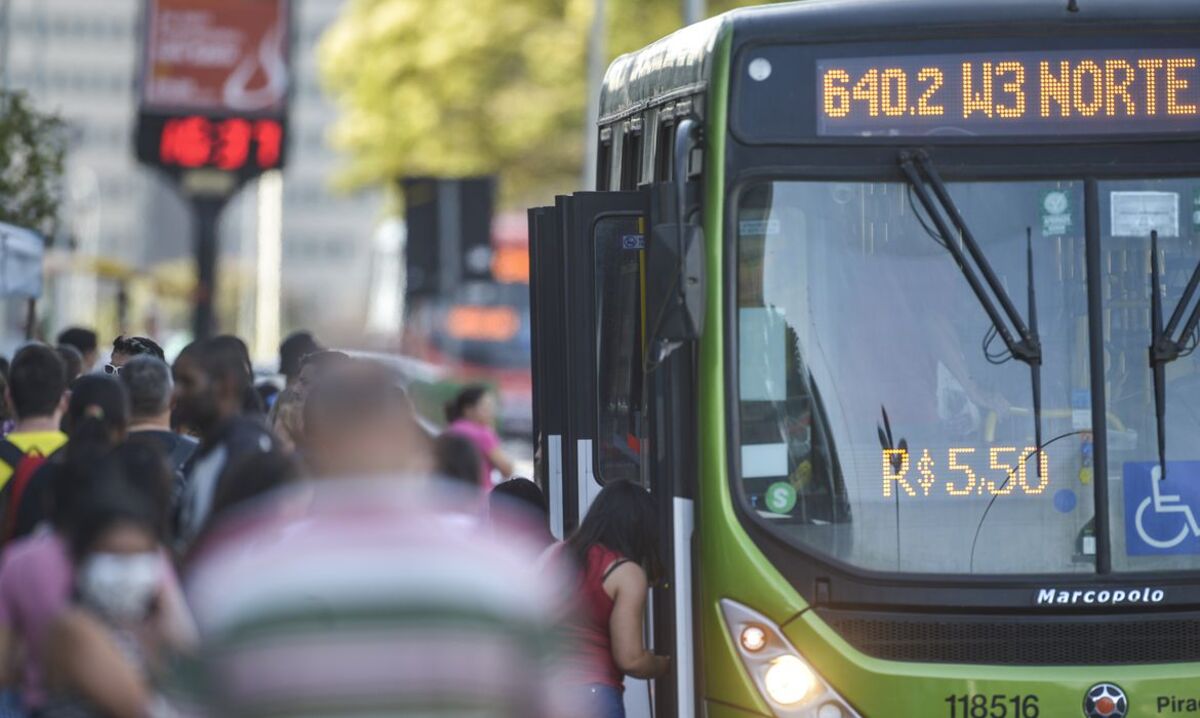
(1075, 92)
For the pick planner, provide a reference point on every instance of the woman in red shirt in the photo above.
(614, 548)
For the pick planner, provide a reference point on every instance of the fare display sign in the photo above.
(214, 85)
(1074, 92)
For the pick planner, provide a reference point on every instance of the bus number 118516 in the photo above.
(994, 705)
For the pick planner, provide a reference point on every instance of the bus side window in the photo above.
(664, 152)
(618, 255)
(631, 157)
(604, 157)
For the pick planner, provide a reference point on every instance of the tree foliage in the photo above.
(33, 147)
(428, 87)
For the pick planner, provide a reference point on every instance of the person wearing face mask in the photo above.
(104, 651)
(37, 572)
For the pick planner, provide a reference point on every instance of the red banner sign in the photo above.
(216, 56)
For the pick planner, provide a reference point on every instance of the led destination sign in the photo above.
(1016, 93)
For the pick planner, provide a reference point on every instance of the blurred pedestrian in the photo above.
(457, 459)
(472, 414)
(521, 503)
(147, 378)
(211, 381)
(103, 652)
(72, 361)
(418, 615)
(97, 414)
(615, 551)
(85, 341)
(359, 423)
(252, 404)
(36, 572)
(125, 348)
(287, 416)
(292, 352)
(38, 391)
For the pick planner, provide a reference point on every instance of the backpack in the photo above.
(24, 466)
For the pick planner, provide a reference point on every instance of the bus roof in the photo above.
(680, 64)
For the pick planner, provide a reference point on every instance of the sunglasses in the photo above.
(112, 370)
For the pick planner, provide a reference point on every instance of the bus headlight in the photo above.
(789, 680)
(788, 683)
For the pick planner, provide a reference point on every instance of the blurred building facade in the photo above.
(79, 58)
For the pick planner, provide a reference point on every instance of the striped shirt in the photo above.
(374, 598)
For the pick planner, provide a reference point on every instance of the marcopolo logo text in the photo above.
(1099, 597)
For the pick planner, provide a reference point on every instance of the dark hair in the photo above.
(521, 492)
(457, 458)
(293, 350)
(252, 476)
(72, 361)
(235, 344)
(109, 502)
(37, 381)
(148, 381)
(5, 366)
(98, 410)
(464, 400)
(222, 358)
(148, 472)
(137, 346)
(621, 519)
(82, 339)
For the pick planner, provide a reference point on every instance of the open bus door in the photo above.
(598, 415)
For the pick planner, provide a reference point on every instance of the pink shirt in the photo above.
(484, 439)
(35, 587)
(36, 576)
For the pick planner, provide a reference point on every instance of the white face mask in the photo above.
(121, 585)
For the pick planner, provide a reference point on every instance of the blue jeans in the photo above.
(604, 701)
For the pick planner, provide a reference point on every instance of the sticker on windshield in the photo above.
(1161, 514)
(1137, 214)
(758, 227)
(1056, 213)
(781, 497)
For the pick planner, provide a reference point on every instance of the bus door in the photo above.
(590, 335)
(549, 320)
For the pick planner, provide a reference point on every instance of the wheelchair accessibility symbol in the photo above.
(1161, 514)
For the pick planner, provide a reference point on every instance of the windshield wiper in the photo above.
(1021, 339)
(1164, 346)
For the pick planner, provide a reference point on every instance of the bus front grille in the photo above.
(1036, 640)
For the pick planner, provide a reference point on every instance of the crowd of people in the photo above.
(179, 539)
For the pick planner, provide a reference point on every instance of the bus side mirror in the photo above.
(675, 296)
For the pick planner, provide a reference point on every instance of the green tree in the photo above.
(33, 146)
(473, 86)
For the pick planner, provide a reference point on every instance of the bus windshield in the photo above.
(882, 423)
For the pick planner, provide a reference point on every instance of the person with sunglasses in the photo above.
(125, 348)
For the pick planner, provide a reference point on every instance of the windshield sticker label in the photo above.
(1056, 213)
(633, 241)
(759, 227)
(1098, 596)
(1161, 513)
(1137, 214)
(781, 497)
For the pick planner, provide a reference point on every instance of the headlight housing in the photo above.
(791, 687)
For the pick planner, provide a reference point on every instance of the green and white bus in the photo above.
(892, 304)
